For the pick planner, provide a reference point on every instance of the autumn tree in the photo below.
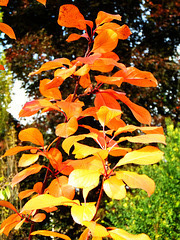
(71, 162)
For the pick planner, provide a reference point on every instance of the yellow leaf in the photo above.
(83, 213)
(149, 138)
(65, 73)
(106, 41)
(83, 178)
(82, 151)
(7, 30)
(28, 159)
(51, 234)
(25, 173)
(31, 135)
(66, 129)
(46, 200)
(120, 234)
(83, 70)
(135, 180)
(96, 229)
(144, 156)
(106, 114)
(114, 188)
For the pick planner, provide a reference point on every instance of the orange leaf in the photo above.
(2, 67)
(28, 159)
(25, 193)
(135, 180)
(82, 213)
(109, 80)
(4, 2)
(38, 187)
(49, 93)
(106, 114)
(9, 223)
(51, 234)
(104, 17)
(120, 234)
(106, 41)
(72, 109)
(83, 178)
(55, 157)
(42, 1)
(7, 30)
(144, 156)
(105, 99)
(46, 200)
(73, 37)
(31, 135)
(114, 188)
(118, 151)
(39, 217)
(66, 129)
(25, 173)
(85, 81)
(136, 77)
(15, 150)
(56, 63)
(70, 16)
(8, 205)
(60, 187)
(90, 59)
(31, 108)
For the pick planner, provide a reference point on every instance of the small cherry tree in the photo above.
(91, 166)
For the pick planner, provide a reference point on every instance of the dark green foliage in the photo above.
(159, 215)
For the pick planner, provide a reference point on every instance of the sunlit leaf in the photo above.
(8, 205)
(106, 114)
(82, 178)
(9, 223)
(114, 188)
(144, 156)
(84, 234)
(106, 41)
(15, 150)
(83, 70)
(82, 213)
(135, 180)
(104, 17)
(39, 217)
(7, 30)
(137, 77)
(149, 138)
(28, 159)
(85, 81)
(90, 59)
(120, 234)
(49, 93)
(46, 200)
(56, 63)
(65, 73)
(31, 135)
(25, 173)
(70, 16)
(105, 99)
(66, 129)
(51, 234)
(82, 151)
(69, 142)
(118, 151)
(60, 187)
(96, 229)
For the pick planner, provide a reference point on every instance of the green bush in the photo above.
(158, 215)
